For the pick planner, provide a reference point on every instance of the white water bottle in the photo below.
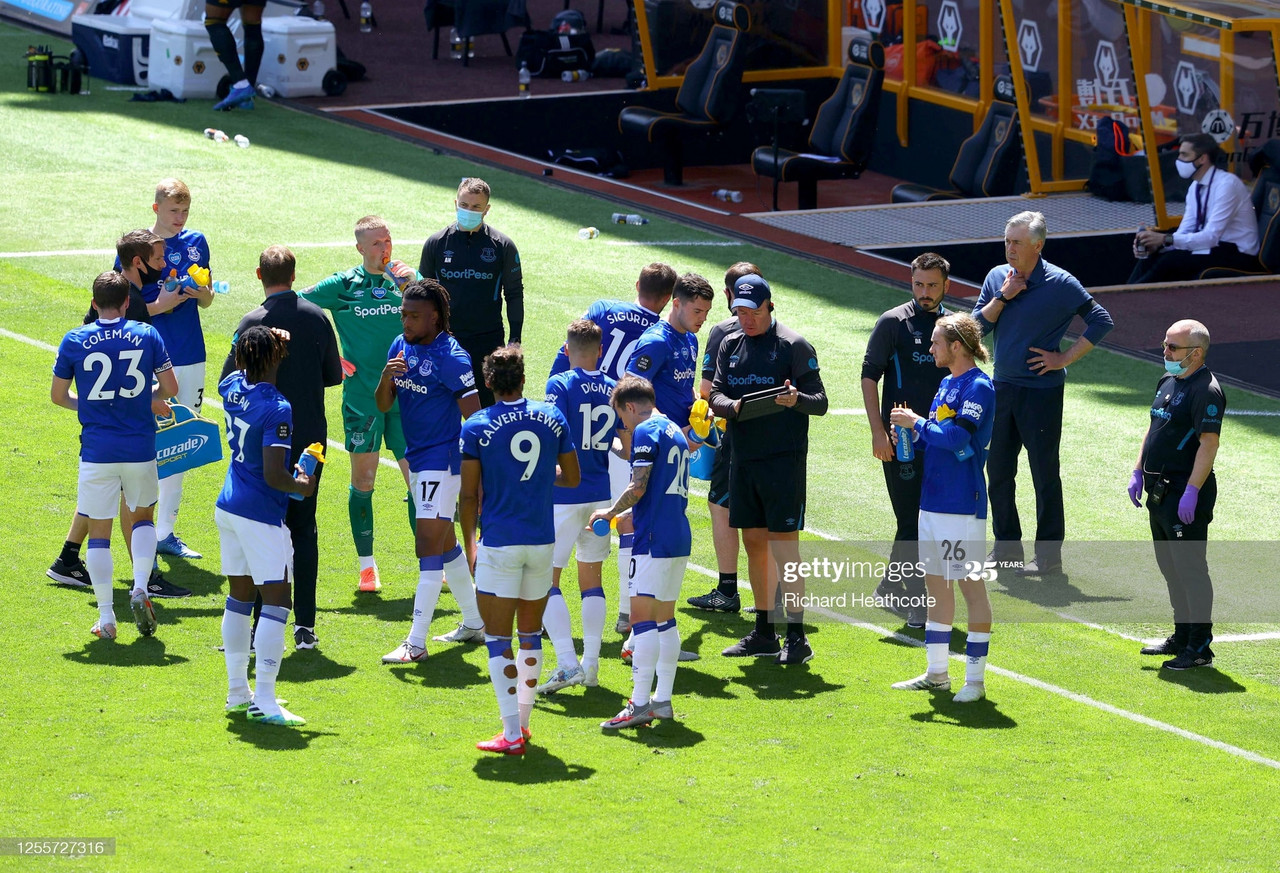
(1139, 250)
(242, 140)
(525, 80)
(588, 233)
(575, 75)
(727, 195)
(317, 9)
(366, 17)
(455, 45)
(624, 218)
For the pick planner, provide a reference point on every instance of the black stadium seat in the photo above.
(708, 97)
(845, 128)
(1265, 165)
(987, 164)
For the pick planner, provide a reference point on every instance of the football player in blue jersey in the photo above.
(515, 453)
(112, 362)
(953, 503)
(659, 499)
(141, 255)
(582, 395)
(621, 325)
(174, 301)
(431, 376)
(256, 548)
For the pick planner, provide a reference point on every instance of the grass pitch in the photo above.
(1085, 756)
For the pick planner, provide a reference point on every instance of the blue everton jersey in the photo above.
(517, 445)
(960, 420)
(582, 396)
(180, 326)
(620, 325)
(438, 374)
(111, 363)
(661, 515)
(668, 359)
(258, 416)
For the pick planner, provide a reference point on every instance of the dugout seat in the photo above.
(987, 163)
(708, 98)
(845, 128)
(1265, 165)
(474, 18)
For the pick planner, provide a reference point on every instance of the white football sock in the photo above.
(97, 560)
(268, 643)
(644, 661)
(463, 587)
(937, 645)
(593, 612)
(975, 650)
(143, 546)
(430, 581)
(555, 618)
(624, 571)
(528, 671)
(167, 505)
(502, 673)
(668, 657)
(237, 625)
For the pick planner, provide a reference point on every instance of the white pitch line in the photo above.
(1254, 412)
(97, 253)
(1075, 697)
(671, 242)
(885, 632)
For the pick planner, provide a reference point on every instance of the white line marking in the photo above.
(1076, 697)
(1255, 412)
(97, 253)
(885, 632)
(670, 242)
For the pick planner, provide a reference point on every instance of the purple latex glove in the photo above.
(1135, 488)
(1187, 505)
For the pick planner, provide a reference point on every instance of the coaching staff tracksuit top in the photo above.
(746, 364)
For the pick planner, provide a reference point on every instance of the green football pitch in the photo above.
(1085, 755)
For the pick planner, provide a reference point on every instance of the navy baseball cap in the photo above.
(750, 291)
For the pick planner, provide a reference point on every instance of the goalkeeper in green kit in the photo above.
(365, 304)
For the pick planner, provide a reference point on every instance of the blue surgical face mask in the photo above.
(1177, 368)
(469, 220)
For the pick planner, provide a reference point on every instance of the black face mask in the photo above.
(149, 275)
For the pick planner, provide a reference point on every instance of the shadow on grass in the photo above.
(770, 681)
(981, 714)
(312, 665)
(1052, 590)
(399, 609)
(1204, 680)
(600, 702)
(445, 668)
(201, 581)
(271, 738)
(148, 651)
(535, 766)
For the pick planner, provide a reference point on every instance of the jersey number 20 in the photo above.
(680, 482)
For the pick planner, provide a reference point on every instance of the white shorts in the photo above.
(659, 578)
(435, 493)
(253, 548)
(571, 529)
(190, 385)
(619, 476)
(522, 572)
(952, 546)
(99, 486)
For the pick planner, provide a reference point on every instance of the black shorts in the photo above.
(769, 493)
(235, 4)
(718, 488)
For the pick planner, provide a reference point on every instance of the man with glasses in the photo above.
(1175, 469)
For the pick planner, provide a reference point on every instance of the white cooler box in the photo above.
(115, 46)
(183, 60)
(299, 52)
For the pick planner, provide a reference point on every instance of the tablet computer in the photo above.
(760, 403)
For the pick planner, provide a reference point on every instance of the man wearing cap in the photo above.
(767, 458)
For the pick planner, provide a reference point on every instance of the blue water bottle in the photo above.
(600, 527)
(312, 457)
(906, 448)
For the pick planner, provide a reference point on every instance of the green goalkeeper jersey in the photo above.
(366, 311)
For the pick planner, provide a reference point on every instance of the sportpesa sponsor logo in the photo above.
(752, 379)
(186, 447)
(921, 358)
(375, 311)
(410, 385)
(468, 273)
(684, 375)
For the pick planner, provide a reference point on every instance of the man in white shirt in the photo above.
(1219, 227)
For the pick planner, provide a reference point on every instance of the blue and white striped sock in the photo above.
(975, 651)
(97, 560)
(593, 610)
(268, 643)
(237, 626)
(430, 581)
(644, 661)
(668, 658)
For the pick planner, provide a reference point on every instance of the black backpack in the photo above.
(550, 52)
(1106, 177)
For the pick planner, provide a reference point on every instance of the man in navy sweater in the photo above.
(1027, 305)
